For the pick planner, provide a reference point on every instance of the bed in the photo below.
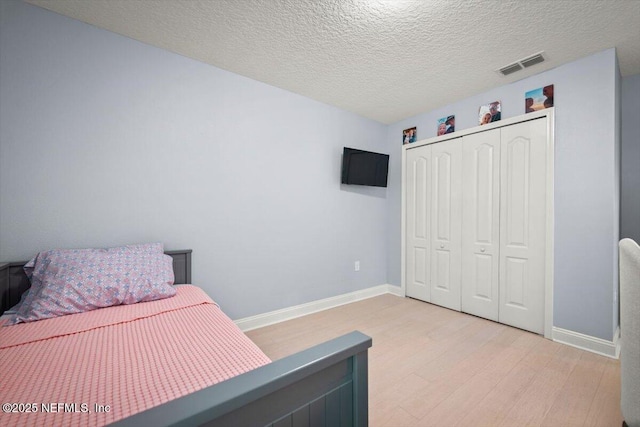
(230, 382)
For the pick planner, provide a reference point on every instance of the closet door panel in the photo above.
(523, 224)
(418, 216)
(446, 202)
(481, 224)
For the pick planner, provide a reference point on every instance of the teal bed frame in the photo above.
(326, 385)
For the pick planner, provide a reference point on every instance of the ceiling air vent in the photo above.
(521, 64)
(510, 69)
(532, 60)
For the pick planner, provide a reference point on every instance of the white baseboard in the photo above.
(589, 343)
(266, 319)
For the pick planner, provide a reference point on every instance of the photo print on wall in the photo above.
(538, 99)
(489, 113)
(409, 135)
(446, 125)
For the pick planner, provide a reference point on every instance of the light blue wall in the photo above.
(630, 203)
(586, 176)
(107, 141)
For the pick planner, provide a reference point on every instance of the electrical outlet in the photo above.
(356, 266)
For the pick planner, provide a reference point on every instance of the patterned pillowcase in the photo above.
(67, 281)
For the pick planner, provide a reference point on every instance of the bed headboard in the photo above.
(13, 281)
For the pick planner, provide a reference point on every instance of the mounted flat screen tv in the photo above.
(364, 168)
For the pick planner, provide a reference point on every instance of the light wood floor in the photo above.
(430, 366)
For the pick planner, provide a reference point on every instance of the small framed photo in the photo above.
(446, 125)
(538, 99)
(489, 113)
(409, 135)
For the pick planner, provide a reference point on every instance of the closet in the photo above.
(478, 221)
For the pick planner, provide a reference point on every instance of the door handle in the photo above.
(482, 249)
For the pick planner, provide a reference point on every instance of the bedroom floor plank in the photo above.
(493, 409)
(434, 366)
(574, 400)
(543, 391)
(605, 408)
(498, 358)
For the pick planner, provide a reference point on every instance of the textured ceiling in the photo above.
(383, 59)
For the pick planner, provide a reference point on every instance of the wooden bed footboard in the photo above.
(326, 385)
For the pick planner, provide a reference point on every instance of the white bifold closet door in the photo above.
(476, 223)
(504, 224)
(481, 224)
(446, 223)
(433, 215)
(418, 217)
(523, 218)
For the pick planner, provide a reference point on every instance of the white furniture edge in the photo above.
(549, 114)
(586, 342)
(254, 322)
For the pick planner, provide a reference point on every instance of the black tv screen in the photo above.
(364, 168)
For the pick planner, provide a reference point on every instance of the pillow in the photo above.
(67, 281)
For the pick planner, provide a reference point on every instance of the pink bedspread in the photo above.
(68, 370)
